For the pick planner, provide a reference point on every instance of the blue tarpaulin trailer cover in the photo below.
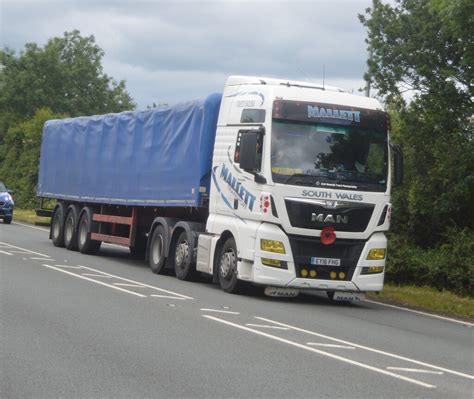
(157, 157)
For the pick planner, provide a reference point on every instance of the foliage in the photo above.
(422, 63)
(64, 78)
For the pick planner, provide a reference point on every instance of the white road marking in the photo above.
(6, 253)
(95, 275)
(266, 326)
(423, 313)
(458, 373)
(329, 345)
(94, 281)
(31, 227)
(415, 370)
(24, 249)
(167, 297)
(20, 252)
(69, 266)
(129, 285)
(219, 311)
(307, 348)
(45, 259)
(136, 282)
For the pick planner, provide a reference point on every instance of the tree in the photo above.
(426, 47)
(66, 76)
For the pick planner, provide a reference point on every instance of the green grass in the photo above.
(426, 298)
(29, 216)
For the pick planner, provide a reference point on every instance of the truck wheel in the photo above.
(70, 228)
(228, 268)
(57, 225)
(184, 266)
(157, 251)
(84, 229)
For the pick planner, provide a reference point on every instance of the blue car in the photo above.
(6, 204)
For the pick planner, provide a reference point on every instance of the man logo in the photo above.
(321, 218)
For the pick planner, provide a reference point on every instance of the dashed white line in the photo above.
(219, 311)
(24, 249)
(69, 266)
(94, 281)
(6, 253)
(45, 259)
(31, 227)
(129, 285)
(167, 297)
(330, 345)
(136, 282)
(266, 326)
(94, 275)
(466, 323)
(415, 370)
(458, 373)
(307, 348)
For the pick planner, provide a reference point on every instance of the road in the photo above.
(78, 326)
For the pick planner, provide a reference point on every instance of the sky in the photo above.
(173, 51)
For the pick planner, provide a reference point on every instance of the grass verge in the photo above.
(426, 298)
(29, 216)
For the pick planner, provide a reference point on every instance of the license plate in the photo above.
(281, 292)
(348, 296)
(325, 261)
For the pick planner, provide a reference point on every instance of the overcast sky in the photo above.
(171, 51)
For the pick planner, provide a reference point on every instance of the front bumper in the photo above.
(6, 212)
(299, 250)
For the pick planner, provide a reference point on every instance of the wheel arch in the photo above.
(167, 224)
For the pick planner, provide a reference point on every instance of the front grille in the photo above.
(2, 203)
(350, 217)
(304, 248)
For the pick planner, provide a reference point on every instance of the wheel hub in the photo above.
(228, 264)
(182, 252)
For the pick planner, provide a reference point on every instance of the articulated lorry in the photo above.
(281, 184)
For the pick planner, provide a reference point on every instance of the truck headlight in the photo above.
(376, 254)
(272, 246)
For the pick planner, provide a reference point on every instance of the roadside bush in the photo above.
(449, 266)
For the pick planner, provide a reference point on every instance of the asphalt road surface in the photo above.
(78, 326)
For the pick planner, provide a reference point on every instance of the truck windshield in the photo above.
(327, 155)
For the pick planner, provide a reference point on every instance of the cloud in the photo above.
(177, 49)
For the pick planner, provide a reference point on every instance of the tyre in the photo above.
(70, 228)
(157, 250)
(7, 220)
(227, 268)
(57, 225)
(184, 266)
(84, 229)
(330, 295)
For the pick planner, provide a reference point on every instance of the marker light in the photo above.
(332, 275)
(304, 273)
(376, 254)
(272, 246)
(342, 275)
(313, 273)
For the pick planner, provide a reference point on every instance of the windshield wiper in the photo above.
(301, 178)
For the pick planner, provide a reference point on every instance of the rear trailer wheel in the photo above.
(70, 228)
(86, 226)
(157, 251)
(228, 268)
(184, 266)
(57, 225)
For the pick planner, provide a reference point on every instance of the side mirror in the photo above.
(248, 151)
(398, 164)
(11, 192)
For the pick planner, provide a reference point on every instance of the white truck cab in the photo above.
(300, 189)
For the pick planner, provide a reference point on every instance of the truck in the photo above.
(276, 183)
